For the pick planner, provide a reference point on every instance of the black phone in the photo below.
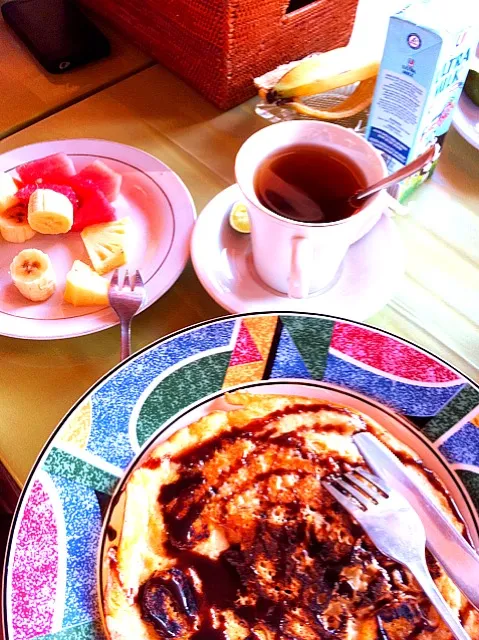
(57, 33)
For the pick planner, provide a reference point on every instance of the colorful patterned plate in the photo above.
(50, 581)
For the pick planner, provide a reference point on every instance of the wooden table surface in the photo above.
(28, 93)
(157, 112)
(126, 99)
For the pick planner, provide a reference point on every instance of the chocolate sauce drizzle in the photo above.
(282, 577)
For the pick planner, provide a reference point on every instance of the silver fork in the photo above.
(395, 529)
(125, 300)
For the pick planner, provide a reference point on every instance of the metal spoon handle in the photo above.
(397, 176)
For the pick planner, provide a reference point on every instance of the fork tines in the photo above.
(130, 282)
(360, 485)
(114, 279)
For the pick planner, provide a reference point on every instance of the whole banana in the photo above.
(320, 73)
(33, 275)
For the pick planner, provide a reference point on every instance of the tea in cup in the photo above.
(297, 177)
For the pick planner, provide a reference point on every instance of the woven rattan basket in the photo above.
(219, 46)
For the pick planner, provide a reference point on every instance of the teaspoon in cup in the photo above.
(397, 176)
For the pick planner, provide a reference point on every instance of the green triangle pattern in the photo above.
(180, 389)
(312, 339)
(88, 631)
(61, 463)
(471, 482)
(455, 410)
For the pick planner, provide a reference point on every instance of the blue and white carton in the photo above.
(425, 63)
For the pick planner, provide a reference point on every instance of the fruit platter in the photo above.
(69, 218)
(50, 198)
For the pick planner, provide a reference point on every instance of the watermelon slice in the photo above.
(103, 177)
(57, 169)
(23, 195)
(94, 207)
(83, 188)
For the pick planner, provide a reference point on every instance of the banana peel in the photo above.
(310, 78)
(359, 100)
(318, 74)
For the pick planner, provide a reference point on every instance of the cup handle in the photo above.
(301, 265)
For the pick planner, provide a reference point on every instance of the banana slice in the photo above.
(50, 212)
(33, 275)
(8, 189)
(14, 225)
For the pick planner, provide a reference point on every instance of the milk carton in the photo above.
(425, 63)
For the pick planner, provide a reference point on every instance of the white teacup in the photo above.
(298, 258)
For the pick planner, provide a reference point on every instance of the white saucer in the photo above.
(223, 262)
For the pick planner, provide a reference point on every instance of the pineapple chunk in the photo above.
(85, 287)
(106, 244)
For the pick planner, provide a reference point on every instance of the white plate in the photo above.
(162, 212)
(222, 259)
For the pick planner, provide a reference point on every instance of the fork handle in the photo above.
(422, 575)
(125, 333)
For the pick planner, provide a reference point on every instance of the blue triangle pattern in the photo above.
(462, 446)
(288, 362)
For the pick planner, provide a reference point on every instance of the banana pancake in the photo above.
(228, 535)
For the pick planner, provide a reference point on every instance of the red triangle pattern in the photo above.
(245, 350)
